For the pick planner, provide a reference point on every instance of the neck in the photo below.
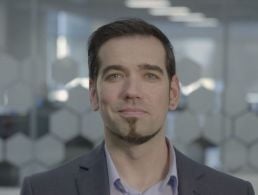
(137, 164)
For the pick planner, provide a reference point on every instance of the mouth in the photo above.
(132, 112)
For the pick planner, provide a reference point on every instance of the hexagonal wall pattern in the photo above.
(186, 127)
(213, 129)
(49, 150)
(234, 155)
(188, 70)
(1, 150)
(19, 97)
(253, 156)
(246, 127)
(93, 127)
(31, 168)
(79, 99)
(235, 103)
(180, 146)
(77, 146)
(228, 131)
(19, 149)
(8, 70)
(2, 97)
(196, 149)
(64, 70)
(202, 100)
(27, 69)
(64, 124)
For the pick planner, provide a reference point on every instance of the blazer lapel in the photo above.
(189, 176)
(93, 176)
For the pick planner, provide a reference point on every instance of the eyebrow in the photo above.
(151, 67)
(112, 67)
(141, 67)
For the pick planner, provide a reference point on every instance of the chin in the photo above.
(135, 138)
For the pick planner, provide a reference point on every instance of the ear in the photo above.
(93, 95)
(174, 93)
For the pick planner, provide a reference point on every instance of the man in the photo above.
(133, 84)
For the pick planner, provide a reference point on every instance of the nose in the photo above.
(132, 89)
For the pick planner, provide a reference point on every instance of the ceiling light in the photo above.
(187, 90)
(207, 22)
(191, 17)
(62, 47)
(170, 11)
(82, 81)
(208, 83)
(147, 3)
(60, 95)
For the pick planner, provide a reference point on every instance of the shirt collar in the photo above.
(170, 179)
(112, 171)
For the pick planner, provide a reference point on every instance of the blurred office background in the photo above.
(45, 116)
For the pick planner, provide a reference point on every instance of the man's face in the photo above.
(132, 90)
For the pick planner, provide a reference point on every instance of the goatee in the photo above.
(133, 137)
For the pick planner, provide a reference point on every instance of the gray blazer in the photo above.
(88, 175)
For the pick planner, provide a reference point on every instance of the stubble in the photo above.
(133, 137)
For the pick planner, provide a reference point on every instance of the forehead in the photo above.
(133, 50)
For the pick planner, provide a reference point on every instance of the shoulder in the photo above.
(70, 168)
(46, 183)
(224, 182)
(209, 179)
(62, 177)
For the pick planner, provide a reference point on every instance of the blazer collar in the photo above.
(190, 175)
(93, 177)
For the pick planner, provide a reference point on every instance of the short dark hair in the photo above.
(123, 28)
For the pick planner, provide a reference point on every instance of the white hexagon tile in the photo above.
(202, 100)
(253, 156)
(188, 70)
(8, 70)
(186, 127)
(79, 99)
(49, 150)
(31, 168)
(246, 127)
(64, 70)
(19, 149)
(213, 129)
(64, 124)
(27, 69)
(235, 104)
(93, 127)
(234, 155)
(19, 97)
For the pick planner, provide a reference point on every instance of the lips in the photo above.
(132, 112)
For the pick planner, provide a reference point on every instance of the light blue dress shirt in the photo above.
(168, 186)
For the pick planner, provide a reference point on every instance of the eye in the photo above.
(151, 76)
(114, 77)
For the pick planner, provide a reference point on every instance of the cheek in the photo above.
(106, 96)
(160, 95)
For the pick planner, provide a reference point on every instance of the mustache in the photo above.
(132, 107)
